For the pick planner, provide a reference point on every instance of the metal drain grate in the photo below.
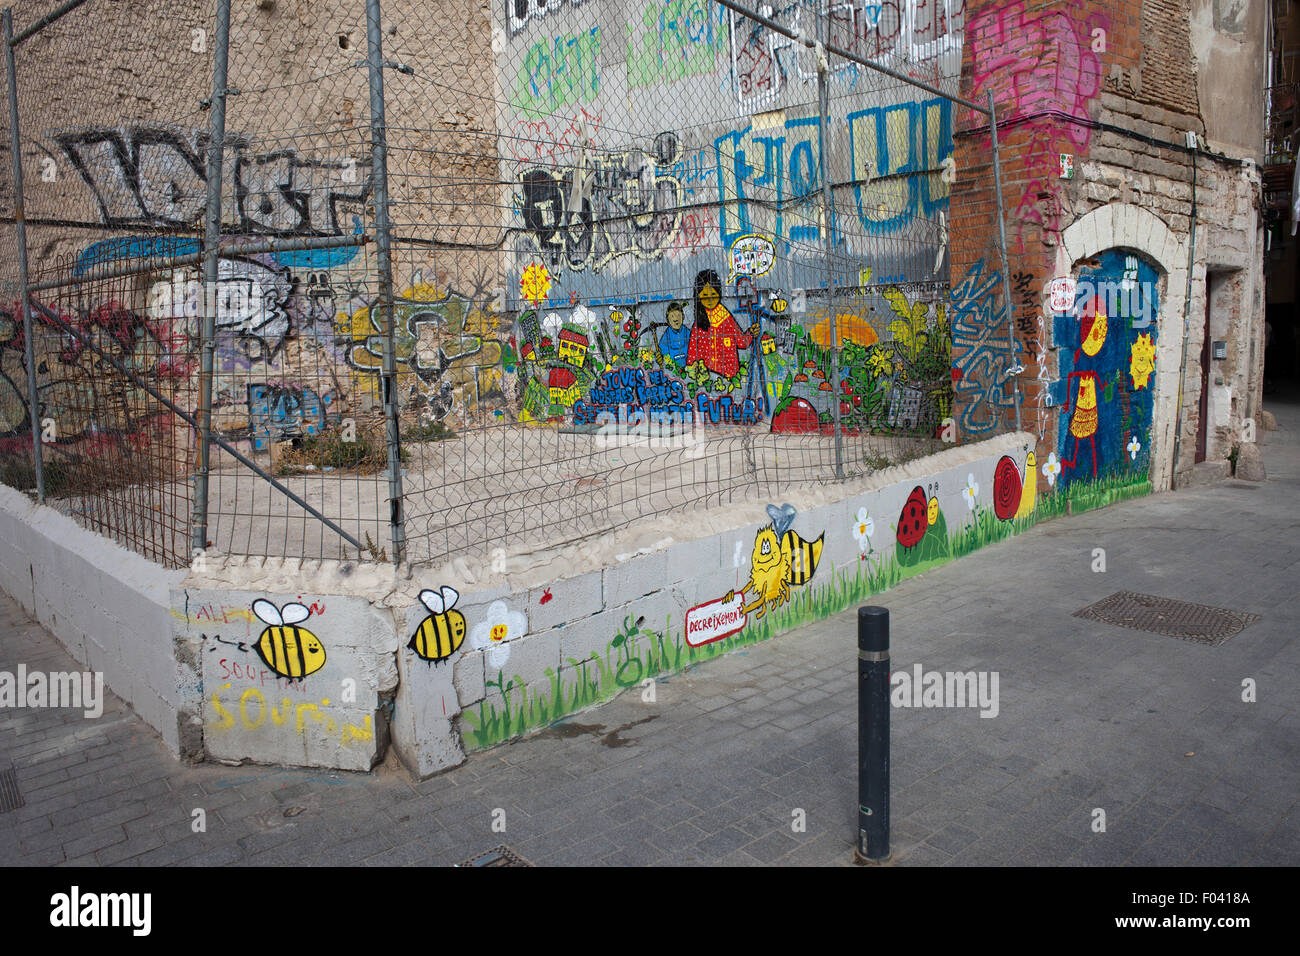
(11, 798)
(497, 856)
(1187, 622)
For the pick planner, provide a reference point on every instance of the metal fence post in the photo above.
(823, 128)
(20, 225)
(383, 245)
(211, 267)
(873, 735)
(1006, 274)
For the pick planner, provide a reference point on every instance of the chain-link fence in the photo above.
(503, 277)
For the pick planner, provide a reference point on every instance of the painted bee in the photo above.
(803, 556)
(439, 634)
(292, 652)
(777, 564)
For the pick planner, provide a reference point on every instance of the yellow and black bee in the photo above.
(439, 634)
(776, 565)
(803, 556)
(290, 651)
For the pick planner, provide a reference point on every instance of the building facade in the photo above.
(1131, 191)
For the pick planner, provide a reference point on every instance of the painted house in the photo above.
(563, 386)
(1135, 242)
(573, 347)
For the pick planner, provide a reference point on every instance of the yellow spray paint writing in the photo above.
(254, 710)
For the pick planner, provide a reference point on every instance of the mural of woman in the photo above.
(716, 337)
(1083, 416)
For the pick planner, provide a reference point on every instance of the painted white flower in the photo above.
(1134, 446)
(1051, 468)
(863, 529)
(971, 491)
(493, 633)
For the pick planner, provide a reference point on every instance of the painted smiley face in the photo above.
(767, 550)
(932, 512)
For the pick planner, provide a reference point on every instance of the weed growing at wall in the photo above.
(365, 456)
(637, 652)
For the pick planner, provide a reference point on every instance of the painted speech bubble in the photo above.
(751, 256)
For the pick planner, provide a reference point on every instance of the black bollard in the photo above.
(873, 735)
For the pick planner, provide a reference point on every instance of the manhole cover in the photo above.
(1187, 622)
(497, 856)
(11, 798)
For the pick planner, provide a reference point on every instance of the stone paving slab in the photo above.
(1149, 729)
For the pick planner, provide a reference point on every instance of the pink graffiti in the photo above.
(1040, 204)
(1035, 65)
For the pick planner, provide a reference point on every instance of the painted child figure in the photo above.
(676, 339)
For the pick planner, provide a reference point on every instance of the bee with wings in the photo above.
(782, 559)
(439, 634)
(292, 652)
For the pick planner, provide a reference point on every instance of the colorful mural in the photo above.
(737, 356)
(1001, 500)
(1104, 392)
(698, 249)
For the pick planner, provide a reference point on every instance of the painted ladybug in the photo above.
(913, 520)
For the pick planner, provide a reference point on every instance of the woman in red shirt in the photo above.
(716, 338)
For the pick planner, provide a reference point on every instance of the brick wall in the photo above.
(1061, 74)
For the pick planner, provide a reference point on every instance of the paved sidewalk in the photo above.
(1150, 729)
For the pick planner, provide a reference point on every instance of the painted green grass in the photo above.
(637, 653)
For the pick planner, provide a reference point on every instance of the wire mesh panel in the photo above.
(116, 117)
(293, 387)
(668, 261)
(111, 124)
(647, 256)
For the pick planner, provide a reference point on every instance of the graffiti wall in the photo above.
(666, 248)
(481, 668)
(297, 350)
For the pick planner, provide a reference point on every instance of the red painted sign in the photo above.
(714, 620)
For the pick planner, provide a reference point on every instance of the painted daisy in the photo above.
(1134, 446)
(971, 491)
(492, 634)
(863, 529)
(1051, 468)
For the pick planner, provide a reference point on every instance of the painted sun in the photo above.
(535, 284)
(1142, 361)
